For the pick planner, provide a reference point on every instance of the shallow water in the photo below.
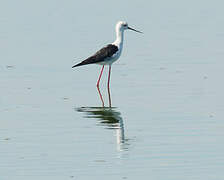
(166, 120)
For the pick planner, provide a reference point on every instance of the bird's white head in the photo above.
(122, 25)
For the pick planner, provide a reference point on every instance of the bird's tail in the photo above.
(79, 64)
(85, 62)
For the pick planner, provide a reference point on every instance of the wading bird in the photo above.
(108, 55)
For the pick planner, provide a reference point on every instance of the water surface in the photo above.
(166, 120)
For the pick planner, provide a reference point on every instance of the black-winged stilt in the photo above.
(108, 55)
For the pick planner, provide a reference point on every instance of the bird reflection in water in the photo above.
(111, 119)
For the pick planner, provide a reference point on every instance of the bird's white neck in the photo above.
(119, 37)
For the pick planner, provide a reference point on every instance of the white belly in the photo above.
(112, 59)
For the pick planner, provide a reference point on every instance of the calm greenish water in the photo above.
(166, 120)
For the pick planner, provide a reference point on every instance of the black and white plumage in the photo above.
(100, 56)
(108, 54)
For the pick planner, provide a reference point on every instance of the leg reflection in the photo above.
(110, 119)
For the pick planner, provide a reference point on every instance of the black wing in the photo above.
(100, 55)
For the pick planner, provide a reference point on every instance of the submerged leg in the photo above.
(108, 86)
(97, 85)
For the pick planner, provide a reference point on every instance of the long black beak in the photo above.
(134, 30)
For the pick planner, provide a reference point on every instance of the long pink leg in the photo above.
(97, 85)
(98, 82)
(101, 97)
(108, 86)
